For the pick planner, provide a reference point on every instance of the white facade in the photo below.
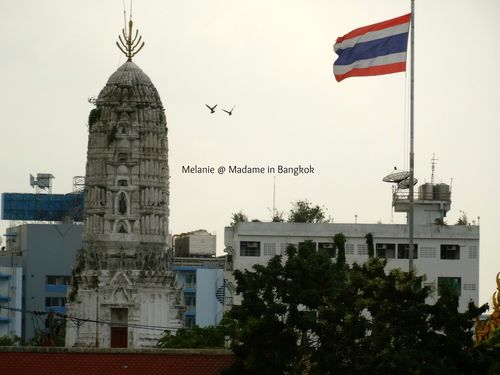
(445, 253)
(123, 273)
(11, 286)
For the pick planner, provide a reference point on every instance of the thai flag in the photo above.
(373, 50)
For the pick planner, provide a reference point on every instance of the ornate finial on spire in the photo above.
(129, 44)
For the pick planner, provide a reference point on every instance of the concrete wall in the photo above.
(196, 243)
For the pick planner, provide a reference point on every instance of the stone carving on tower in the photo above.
(122, 277)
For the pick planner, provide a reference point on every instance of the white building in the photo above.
(444, 253)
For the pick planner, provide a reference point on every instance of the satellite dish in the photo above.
(405, 184)
(396, 176)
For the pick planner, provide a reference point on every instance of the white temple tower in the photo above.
(122, 277)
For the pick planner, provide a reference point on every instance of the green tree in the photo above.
(195, 338)
(309, 313)
(238, 217)
(369, 244)
(339, 241)
(305, 212)
(278, 216)
(463, 219)
(273, 325)
(9, 340)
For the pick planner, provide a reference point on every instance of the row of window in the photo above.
(58, 280)
(55, 301)
(382, 250)
(189, 300)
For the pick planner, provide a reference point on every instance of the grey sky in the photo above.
(273, 60)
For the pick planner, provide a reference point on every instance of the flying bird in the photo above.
(212, 109)
(229, 112)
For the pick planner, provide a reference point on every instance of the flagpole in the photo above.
(412, 116)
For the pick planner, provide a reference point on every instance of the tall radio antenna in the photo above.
(433, 167)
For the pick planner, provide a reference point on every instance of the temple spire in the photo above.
(128, 43)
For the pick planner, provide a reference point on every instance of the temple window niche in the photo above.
(122, 205)
(122, 176)
(122, 226)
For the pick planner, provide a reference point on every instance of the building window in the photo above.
(427, 252)
(189, 322)
(450, 252)
(430, 285)
(469, 286)
(58, 280)
(307, 244)
(454, 283)
(404, 251)
(472, 253)
(250, 248)
(328, 247)
(386, 250)
(55, 301)
(269, 249)
(190, 279)
(349, 249)
(189, 300)
(362, 249)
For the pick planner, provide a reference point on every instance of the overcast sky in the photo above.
(273, 60)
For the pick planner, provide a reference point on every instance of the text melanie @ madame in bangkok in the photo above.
(294, 170)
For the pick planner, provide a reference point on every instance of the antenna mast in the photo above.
(274, 197)
(433, 167)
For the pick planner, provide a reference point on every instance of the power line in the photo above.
(35, 313)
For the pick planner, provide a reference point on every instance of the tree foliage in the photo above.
(238, 217)
(195, 338)
(307, 313)
(339, 241)
(9, 340)
(369, 244)
(463, 219)
(305, 212)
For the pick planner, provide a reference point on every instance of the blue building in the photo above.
(11, 301)
(46, 253)
(202, 283)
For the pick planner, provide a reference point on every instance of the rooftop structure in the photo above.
(198, 243)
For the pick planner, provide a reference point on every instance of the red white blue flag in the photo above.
(373, 50)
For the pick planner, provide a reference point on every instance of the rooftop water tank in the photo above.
(426, 192)
(442, 192)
